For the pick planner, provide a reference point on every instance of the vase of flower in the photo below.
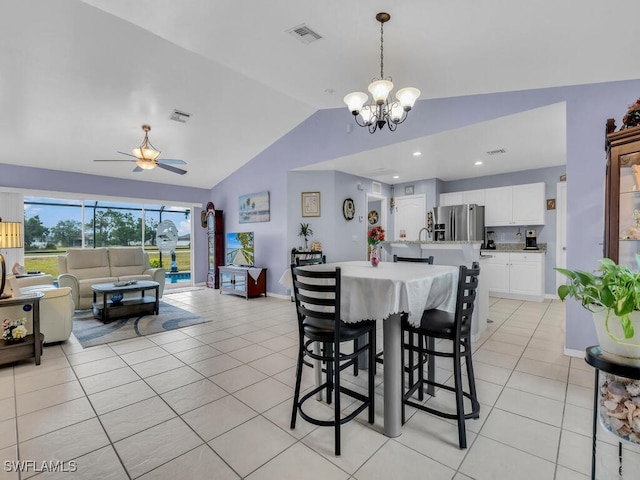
(374, 237)
(14, 331)
(374, 257)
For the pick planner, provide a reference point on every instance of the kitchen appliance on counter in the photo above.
(491, 243)
(531, 241)
(464, 223)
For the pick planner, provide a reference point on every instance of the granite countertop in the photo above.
(432, 242)
(515, 247)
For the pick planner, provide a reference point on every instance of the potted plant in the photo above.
(305, 231)
(612, 295)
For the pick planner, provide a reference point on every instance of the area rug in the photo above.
(90, 331)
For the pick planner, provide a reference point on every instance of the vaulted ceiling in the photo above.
(79, 78)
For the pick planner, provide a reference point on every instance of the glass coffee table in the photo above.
(114, 304)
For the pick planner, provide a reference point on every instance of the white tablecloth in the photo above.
(375, 293)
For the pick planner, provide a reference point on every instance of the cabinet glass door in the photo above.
(629, 210)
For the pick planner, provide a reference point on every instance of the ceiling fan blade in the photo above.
(114, 160)
(172, 161)
(172, 169)
(128, 154)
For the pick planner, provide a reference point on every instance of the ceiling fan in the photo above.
(146, 157)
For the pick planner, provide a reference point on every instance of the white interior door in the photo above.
(376, 215)
(411, 216)
(561, 231)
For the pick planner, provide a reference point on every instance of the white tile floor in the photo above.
(213, 401)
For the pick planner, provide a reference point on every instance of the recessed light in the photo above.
(417, 154)
(479, 162)
(395, 177)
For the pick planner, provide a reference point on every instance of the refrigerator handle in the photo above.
(452, 224)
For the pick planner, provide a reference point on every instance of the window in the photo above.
(52, 225)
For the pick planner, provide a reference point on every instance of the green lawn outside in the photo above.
(47, 262)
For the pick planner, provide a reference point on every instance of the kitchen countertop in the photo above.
(515, 247)
(431, 242)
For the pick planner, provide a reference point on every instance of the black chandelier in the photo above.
(382, 111)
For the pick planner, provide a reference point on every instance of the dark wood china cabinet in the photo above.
(622, 196)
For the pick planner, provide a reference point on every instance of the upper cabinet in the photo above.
(622, 195)
(505, 206)
(515, 205)
(461, 198)
(453, 198)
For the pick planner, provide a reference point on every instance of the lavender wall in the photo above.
(325, 135)
(26, 178)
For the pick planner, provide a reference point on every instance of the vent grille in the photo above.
(376, 187)
(304, 34)
(179, 116)
(498, 151)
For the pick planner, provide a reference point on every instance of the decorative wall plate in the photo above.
(348, 209)
(373, 217)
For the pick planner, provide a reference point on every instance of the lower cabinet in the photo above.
(244, 281)
(518, 275)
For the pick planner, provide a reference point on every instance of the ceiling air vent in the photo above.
(499, 151)
(179, 116)
(304, 34)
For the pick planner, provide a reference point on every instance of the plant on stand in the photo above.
(374, 237)
(305, 231)
(612, 295)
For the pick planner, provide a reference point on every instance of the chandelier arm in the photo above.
(358, 122)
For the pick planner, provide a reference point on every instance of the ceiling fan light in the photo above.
(145, 153)
(407, 97)
(355, 101)
(380, 90)
(145, 164)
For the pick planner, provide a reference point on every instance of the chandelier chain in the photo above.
(381, 50)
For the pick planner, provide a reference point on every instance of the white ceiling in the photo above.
(78, 78)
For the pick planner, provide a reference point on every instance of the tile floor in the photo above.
(213, 401)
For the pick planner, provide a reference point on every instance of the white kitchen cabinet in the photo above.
(515, 205)
(460, 198)
(451, 198)
(473, 196)
(518, 275)
(498, 206)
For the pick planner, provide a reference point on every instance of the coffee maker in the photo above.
(531, 241)
(491, 244)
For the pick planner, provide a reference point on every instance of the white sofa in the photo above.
(82, 267)
(56, 308)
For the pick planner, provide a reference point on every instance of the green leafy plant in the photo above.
(613, 287)
(305, 231)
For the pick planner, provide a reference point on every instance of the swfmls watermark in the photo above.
(36, 466)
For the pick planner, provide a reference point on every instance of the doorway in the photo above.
(410, 216)
(561, 231)
(376, 216)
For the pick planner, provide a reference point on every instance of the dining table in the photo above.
(384, 293)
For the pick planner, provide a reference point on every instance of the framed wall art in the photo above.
(254, 208)
(310, 204)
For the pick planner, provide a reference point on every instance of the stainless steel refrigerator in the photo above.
(459, 223)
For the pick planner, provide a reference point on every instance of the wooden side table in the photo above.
(593, 357)
(31, 346)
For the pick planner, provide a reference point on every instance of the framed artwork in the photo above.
(253, 208)
(310, 204)
(551, 203)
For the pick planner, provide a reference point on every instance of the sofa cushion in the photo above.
(85, 285)
(88, 263)
(127, 261)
